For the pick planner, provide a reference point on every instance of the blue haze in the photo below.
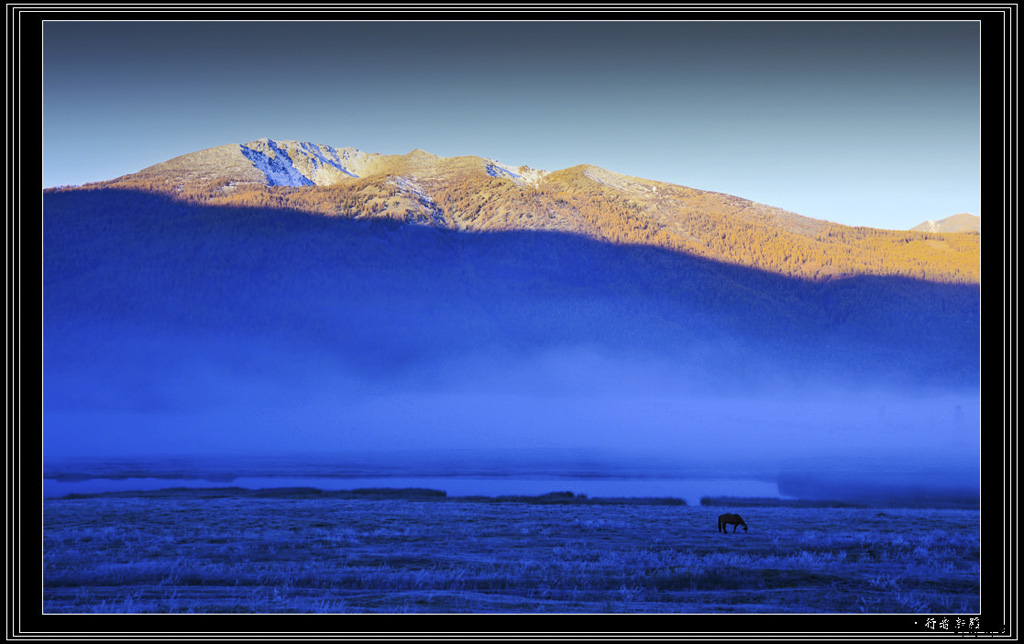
(862, 123)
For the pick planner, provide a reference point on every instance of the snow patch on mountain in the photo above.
(522, 174)
(414, 190)
(326, 155)
(275, 163)
(496, 169)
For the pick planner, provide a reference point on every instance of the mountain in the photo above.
(414, 301)
(297, 164)
(962, 223)
(476, 194)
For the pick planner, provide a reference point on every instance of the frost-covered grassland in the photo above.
(143, 555)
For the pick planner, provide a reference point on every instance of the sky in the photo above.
(860, 123)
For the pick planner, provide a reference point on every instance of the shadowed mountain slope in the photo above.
(395, 291)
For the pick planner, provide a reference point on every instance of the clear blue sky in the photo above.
(861, 123)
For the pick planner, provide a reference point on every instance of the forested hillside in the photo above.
(473, 194)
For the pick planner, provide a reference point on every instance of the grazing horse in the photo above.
(735, 519)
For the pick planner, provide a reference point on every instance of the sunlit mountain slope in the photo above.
(477, 194)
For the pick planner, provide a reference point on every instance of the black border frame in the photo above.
(999, 503)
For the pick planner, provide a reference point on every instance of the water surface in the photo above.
(691, 490)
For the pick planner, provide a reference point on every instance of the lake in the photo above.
(689, 489)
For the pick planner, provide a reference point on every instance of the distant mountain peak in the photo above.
(960, 223)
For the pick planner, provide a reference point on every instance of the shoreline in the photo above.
(556, 497)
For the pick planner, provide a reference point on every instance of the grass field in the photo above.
(337, 555)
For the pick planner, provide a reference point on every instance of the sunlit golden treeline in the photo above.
(707, 224)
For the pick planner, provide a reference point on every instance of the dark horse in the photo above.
(735, 519)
